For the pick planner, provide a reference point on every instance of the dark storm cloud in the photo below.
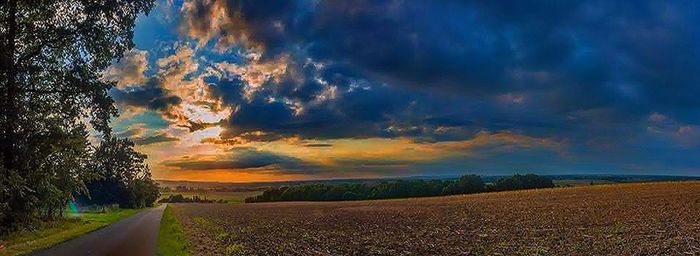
(357, 113)
(151, 96)
(639, 53)
(622, 54)
(194, 126)
(318, 145)
(155, 139)
(247, 159)
(589, 72)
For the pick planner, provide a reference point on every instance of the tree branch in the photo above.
(53, 91)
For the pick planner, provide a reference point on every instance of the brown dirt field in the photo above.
(626, 219)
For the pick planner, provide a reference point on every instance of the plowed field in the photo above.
(627, 219)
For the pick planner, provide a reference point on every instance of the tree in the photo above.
(63, 171)
(469, 184)
(52, 54)
(528, 181)
(466, 184)
(123, 177)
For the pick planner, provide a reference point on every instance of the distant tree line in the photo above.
(52, 98)
(518, 182)
(182, 188)
(467, 184)
(178, 198)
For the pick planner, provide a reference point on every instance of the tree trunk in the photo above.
(11, 111)
(11, 117)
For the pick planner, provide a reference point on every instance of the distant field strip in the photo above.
(620, 219)
(229, 197)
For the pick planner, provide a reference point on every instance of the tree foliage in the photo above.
(467, 184)
(517, 182)
(179, 198)
(52, 54)
(122, 177)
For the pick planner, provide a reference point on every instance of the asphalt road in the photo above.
(133, 236)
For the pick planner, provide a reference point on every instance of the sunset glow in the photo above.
(218, 91)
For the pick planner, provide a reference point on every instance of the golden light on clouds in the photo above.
(196, 134)
(129, 71)
(203, 113)
(349, 156)
(257, 73)
(230, 176)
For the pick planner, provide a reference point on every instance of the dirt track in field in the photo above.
(628, 219)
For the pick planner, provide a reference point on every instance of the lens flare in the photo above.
(73, 209)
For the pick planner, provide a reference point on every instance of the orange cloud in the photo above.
(129, 70)
(345, 158)
(211, 20)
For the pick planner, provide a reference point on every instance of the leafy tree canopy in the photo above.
(52, 54)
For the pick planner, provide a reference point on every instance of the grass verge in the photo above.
(55, 232)
(171, 238)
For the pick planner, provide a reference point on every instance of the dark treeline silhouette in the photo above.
(182, 188)
(52, 95)
(121, 177)
(517, 182)
(178, 198)
(467, 184)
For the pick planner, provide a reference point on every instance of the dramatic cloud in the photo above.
(246, 160)
(219, 23)
(255, 75)
(595, 86)
(174, 68)
(155, 139)
(129, 70)
(150, 96)
(318, 145)
(182, 100)
(480, 50)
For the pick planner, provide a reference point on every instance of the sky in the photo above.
(243, 91)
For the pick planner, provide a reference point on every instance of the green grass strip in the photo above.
(171, 238)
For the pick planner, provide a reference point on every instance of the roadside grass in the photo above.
(229, 197)
(171, 238)
(51, 233)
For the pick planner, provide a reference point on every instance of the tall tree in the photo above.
(123, 178)
(52, 54)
